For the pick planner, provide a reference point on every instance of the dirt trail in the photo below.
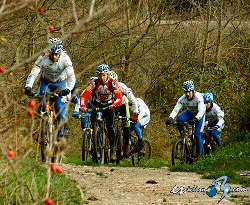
(131, 185)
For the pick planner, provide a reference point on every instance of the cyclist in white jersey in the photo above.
(195, 112)
(57, 75)
(214, 117)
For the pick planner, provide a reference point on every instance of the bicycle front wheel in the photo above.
(44, 142)
(143, 157)
(96, 144)
(119, 150)
(86, 145)
(178, 153)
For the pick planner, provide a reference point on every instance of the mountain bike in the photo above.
(51, 145)
(100, 141)
(184, 148)
(209, 144)
(139, 158)
(87, 144)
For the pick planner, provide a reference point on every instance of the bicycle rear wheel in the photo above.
(178, 153)
(86, 145)
(143, 157)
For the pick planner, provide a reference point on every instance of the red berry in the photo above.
(32, 103)
(10, 153)
(30, 113)
(51, 28)
(48, 202)
(40, 10)
(1, 69)
(59, 170)
(53, 167)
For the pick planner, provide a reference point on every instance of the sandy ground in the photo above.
(132, 185)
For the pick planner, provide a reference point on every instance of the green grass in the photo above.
(33, 179)
(228, 160)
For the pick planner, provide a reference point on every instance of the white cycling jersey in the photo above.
(144, 112)
(130, 97)
(196, 105)
(53, 71)
(215, 115)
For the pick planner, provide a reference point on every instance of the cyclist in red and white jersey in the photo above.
(106, 93)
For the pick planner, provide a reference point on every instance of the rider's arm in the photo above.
(177, 107)
(71, 78)
(134, 106)
(220, 115)
(201, 106)
(34, 73)
(117, 93)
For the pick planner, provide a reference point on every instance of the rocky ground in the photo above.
(132, 185)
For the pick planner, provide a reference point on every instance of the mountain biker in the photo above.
(140, 122)
(214, 117)
(57, 75)
(195, 112)
(123, 109)
(106, 92)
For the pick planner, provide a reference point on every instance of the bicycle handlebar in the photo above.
(183, 123)
(50, 94)
(97, 109)
(211, 128)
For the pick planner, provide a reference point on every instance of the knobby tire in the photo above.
(143, 157)
(86, 145)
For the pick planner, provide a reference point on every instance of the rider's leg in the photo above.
(137, 128)
(60, 106)
(183, 117)
(215, 134)
(198, 134)
(109, 118)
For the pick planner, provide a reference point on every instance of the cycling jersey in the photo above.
(106, 93)
(215, 115)
(53, 71)
(130, 97)
(144, 112)
(196, 105)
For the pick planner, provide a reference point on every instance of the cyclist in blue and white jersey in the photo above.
(123, 109)
(57, 75)
(195, 112)
(214, 117)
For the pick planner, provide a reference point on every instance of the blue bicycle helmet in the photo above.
(113, 75)
(58, 47)
(188, 86)
(103, 69)
(208, 97)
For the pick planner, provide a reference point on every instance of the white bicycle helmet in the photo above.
(103, 69)
(188, 86)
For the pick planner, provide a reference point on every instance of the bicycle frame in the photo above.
(184, 148)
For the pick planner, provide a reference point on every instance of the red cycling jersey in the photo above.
(105, 93)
